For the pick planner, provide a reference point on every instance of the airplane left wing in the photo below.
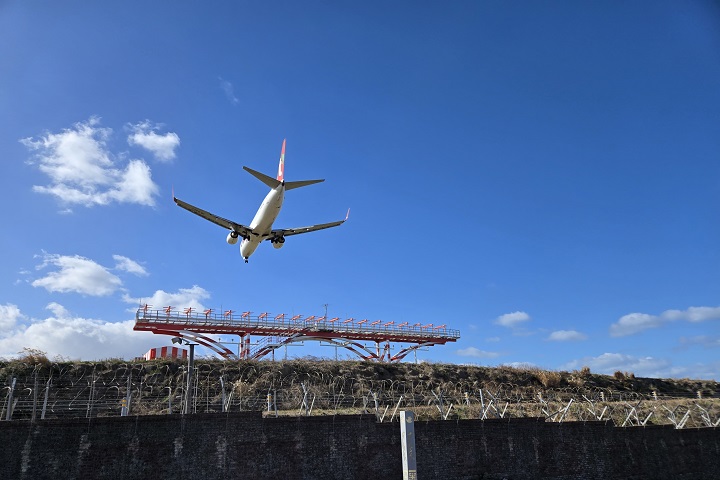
(286, 232)
(242, 230)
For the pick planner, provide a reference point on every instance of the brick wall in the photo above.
(245, 445)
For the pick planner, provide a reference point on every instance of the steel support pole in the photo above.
(191, 366)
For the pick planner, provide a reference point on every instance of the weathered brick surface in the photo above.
(245, 445)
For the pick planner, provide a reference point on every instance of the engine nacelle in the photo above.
(232, 238)
(278, 244)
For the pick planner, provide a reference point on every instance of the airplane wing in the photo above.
(286, 232)
(242, 230)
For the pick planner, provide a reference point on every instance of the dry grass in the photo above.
(350, 387)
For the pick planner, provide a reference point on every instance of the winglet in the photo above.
(281, 165)
(347, 215)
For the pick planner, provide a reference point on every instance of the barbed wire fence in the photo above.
(133, 389)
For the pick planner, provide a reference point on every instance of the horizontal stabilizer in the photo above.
(269, 181)
(301, 183)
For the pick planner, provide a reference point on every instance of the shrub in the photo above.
(33, 356)
(549, 379)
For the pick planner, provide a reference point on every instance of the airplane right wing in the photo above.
(242, 230)
(285, 232)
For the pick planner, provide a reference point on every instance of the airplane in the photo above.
(261, 226)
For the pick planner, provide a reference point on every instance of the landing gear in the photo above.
(246, 260)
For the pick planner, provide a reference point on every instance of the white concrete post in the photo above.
(407, 439)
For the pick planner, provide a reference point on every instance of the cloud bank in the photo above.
(74, 337)
(609, 363)
(71, 336)
(638, 322)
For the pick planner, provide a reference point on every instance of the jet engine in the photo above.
(232, 238)
(278, 242)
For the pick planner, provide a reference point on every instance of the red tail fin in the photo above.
(281, 166)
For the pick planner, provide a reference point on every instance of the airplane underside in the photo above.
(261, 227)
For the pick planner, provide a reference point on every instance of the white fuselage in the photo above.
(262, 223)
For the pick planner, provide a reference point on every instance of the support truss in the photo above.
(281, 330)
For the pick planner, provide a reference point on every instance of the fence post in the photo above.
(91, 401)
(125, 410)
(407, 440)
(189, 390)
(9, 411)
(222, 386)
(35, 392)
(45, 402)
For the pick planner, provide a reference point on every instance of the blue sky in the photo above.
(542, 176)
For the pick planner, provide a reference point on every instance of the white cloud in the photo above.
(520, 365)
(134, 185)
(83, 171)
(706, 341)
(475, 352)
(57, 310)
(634, 323)
(77, 274)
(512, 319)
(609, 363)
(567, 336)
(229, 91)
(693, 314)
(9, 315)
(77, 338)
(183, 298)
(637, 322)
(161, 146)
(130, 266)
